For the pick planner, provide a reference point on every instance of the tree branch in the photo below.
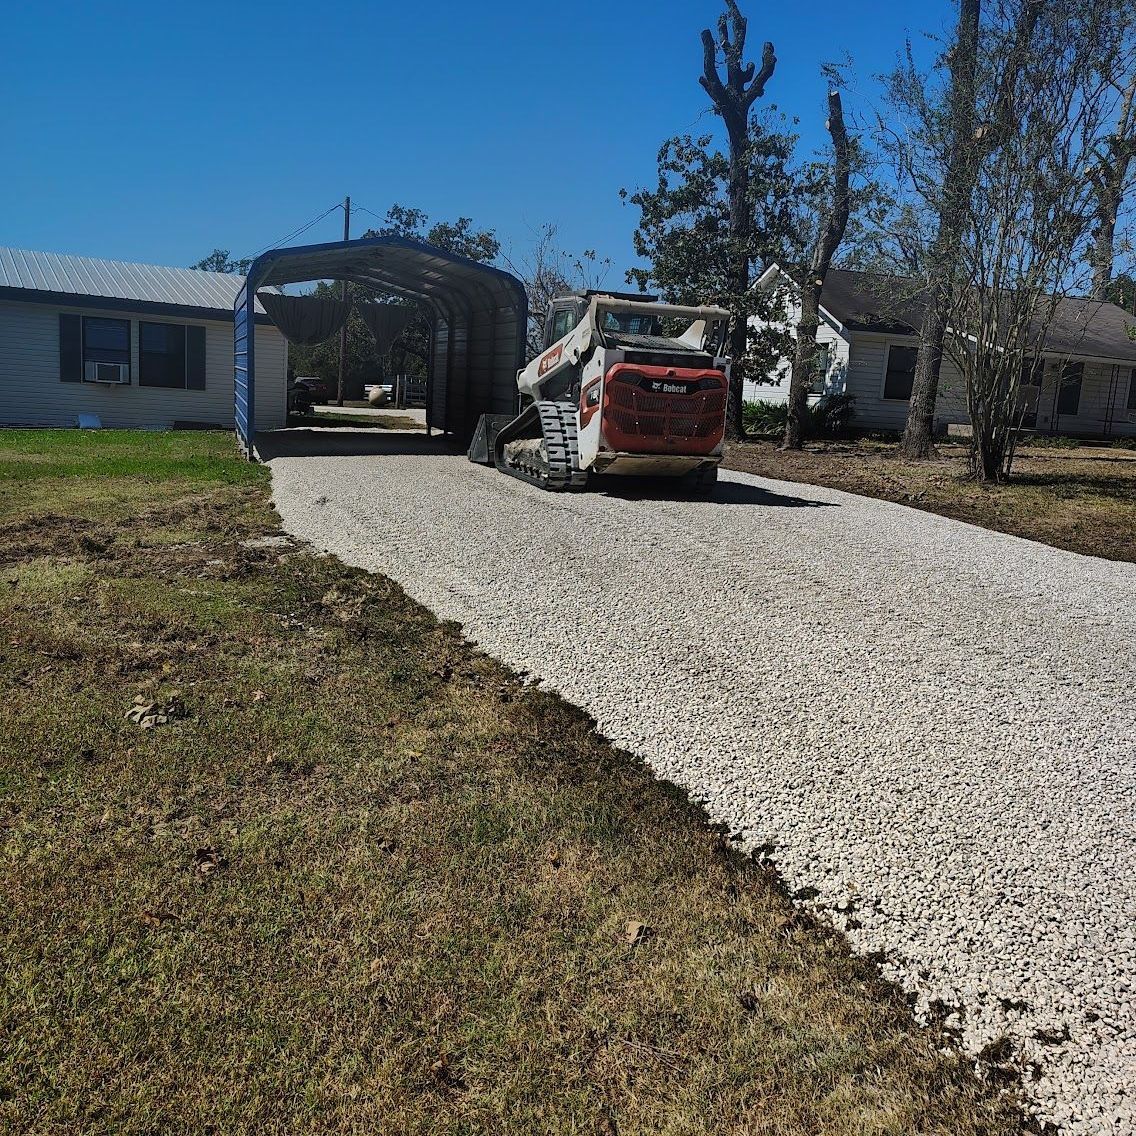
(768, 63)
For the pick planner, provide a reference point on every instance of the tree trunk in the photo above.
(828, 241)
(732, 99)
(1104, 242)
(918, 436)
(741, 227)
(803, 364)
(962, 162)
(1109, 181)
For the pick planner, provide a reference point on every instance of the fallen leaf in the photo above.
(206, 861)
(635, 932)
(157, 918)
(150, 714)
(444, 1072)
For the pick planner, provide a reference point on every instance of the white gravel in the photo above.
(934, 725)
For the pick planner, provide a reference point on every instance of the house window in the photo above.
(821, 361)
(171, 355)
(161, 355)
(1132, 389)
(1069, 392)
(900, 375)
(106, 340)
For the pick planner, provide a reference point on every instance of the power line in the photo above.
(296, 232)
(364, 209)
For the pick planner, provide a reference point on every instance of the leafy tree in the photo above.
(219, 260)
(1121, 291)
(454, 236)
(686, 235)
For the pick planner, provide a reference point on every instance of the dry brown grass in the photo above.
(1082, 498)
(368, 882)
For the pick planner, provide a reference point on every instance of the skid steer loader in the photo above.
(623, 385)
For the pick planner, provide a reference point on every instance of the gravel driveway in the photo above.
(932, 725)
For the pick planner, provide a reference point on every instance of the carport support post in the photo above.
(343, 296)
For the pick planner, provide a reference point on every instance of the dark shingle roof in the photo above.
(872, 301)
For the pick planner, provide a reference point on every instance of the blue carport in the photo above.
(478, 316)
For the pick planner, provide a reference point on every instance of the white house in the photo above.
(1085, 385)
(136, 345)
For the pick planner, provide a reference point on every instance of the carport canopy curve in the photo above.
(478, 316)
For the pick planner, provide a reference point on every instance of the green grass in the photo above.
(367, 881)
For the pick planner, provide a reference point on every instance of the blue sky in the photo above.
(155, 132)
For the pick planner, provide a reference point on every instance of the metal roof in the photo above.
(58, 275)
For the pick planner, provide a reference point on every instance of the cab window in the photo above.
(562, 323)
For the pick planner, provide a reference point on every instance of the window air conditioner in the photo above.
(94, 372)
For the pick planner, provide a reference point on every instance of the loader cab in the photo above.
(567, 309)
(562, 316)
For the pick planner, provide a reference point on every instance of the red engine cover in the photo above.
(663, 410)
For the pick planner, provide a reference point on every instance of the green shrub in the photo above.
(831, 416)
(828, 417)
(764, 417)
(1054, 442)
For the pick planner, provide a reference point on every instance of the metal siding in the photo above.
(31, 393)
(244, 347)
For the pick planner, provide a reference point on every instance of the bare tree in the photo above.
(732, 99)
(938, 157)
(1028, 217)
(547, 271)
(827, 242)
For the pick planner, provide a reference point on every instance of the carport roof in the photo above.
(479, 321)
(398, 265)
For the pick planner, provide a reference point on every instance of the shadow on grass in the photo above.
(1074, 485)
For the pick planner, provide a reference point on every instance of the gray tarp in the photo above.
(305, 320)
(386, 322)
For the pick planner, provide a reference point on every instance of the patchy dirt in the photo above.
(366, 879)
(1081, 498)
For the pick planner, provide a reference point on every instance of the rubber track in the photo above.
(561, 469)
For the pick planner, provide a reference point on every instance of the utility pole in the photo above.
(343, 296)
